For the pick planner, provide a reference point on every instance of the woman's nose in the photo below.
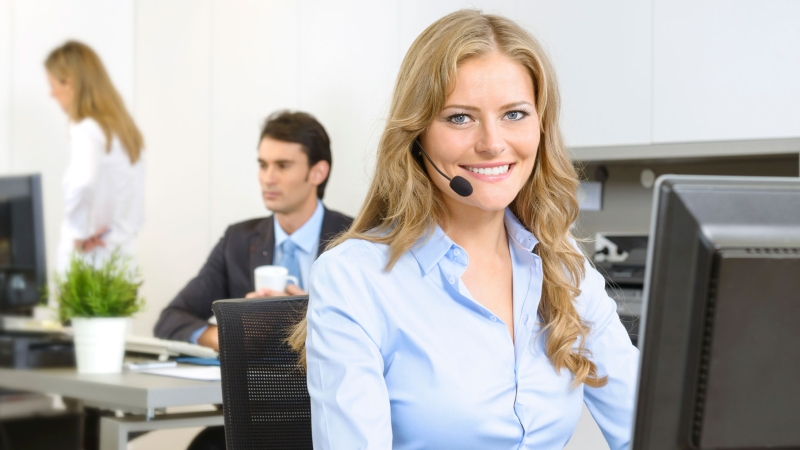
(490, 140)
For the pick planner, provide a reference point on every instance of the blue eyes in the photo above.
(461, 119)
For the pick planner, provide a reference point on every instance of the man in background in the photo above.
(294, 160)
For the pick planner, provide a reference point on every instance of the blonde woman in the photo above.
(103, 185)
(449, 319)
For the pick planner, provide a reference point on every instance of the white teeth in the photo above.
(497, 170)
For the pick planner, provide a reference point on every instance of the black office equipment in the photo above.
(35, 350)
(625, 277)
(264, 392)
(23, 271)
(721, 330)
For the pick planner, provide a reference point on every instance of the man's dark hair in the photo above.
(301, 128)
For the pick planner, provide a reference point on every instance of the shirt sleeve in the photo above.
(349, 399)
(616, 357)
(87, 145)
(197, 333)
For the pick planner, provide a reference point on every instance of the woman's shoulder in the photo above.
(87, 127)
(87, 124)
(356, 253)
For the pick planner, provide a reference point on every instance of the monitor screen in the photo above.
(23, 273)
(721, 321)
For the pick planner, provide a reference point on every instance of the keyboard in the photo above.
(164, 348)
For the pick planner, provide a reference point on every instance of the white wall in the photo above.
(173, 109)
(5, 86)
(603, 56)
(726, 69)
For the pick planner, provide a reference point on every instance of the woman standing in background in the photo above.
(103, 185)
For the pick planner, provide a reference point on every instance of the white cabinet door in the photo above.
(602, 55)
(726, 69)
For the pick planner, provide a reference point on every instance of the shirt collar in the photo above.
(429, 250)
(518, 233)
(307, 236)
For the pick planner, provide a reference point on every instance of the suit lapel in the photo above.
(262, 246)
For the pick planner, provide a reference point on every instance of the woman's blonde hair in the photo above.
(402, 204)
(94, 95)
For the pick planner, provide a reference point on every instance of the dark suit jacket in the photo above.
(228, 272)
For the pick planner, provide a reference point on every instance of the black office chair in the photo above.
(264, 393)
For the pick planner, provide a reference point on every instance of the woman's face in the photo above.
(488, 132)
(61, 91)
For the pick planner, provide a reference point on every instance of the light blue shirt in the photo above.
(409, 360)
(307, 239)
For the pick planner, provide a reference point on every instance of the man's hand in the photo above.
(291, 289)
(209, 338)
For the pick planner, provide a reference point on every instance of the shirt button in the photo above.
(493, 318)
(452, 280)
(457, 252)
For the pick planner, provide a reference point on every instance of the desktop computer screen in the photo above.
(23, 271)
(721, 321)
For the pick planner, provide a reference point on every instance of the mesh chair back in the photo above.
(264, 393)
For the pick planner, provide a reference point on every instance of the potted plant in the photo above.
(99, 302)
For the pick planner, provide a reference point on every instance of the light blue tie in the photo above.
(289, 259)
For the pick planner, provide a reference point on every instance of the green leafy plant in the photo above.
(112, 290)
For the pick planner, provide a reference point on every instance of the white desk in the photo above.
(132, 392)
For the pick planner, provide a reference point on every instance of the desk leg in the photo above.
(114, 430)
(113, 434)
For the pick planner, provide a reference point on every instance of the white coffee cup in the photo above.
(273, 277)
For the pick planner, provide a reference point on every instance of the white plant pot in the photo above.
(99, 343)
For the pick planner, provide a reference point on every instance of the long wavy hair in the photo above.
(403, 203)
(94, 95)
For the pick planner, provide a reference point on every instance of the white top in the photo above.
(101, 190)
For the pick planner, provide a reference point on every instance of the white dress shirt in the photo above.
(407, 359)
(101, 190)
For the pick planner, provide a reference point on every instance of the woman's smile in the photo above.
(489, 171)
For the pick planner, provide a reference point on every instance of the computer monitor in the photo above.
(720, 365)
(23, 270)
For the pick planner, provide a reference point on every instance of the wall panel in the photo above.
(602, 56)
(726, 69)
(347, 69)
(173, 106)
(254, 72)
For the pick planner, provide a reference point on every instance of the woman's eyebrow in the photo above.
(476, 109)
(467, 107)
(515, 104)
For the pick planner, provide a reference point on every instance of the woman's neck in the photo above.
(477, 231)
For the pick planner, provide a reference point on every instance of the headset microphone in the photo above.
(458, 184)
